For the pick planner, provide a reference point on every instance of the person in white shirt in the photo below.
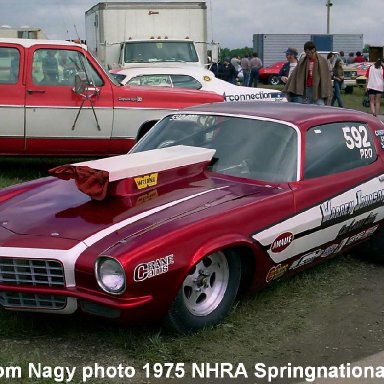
(375, 85)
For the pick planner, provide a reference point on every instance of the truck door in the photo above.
(60, 120)
(12, 99)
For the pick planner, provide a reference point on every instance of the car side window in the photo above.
(9, 65)
(153, 80)
(185, 81)
(337, 147)
(59, 67)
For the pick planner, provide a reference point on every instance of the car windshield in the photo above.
(245, 147)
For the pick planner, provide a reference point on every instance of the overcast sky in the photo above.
(231, 22)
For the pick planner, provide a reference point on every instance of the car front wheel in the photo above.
(274, 80)
(207, 294)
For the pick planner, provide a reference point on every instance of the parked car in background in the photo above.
(361, 69)
(270, 74)
(214, 202)
(193, 78)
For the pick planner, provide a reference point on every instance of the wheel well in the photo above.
(145, 128)
(248, 266)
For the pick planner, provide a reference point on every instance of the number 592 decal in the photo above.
(357, 137)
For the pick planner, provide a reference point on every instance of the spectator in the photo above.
(351, 58)
(246, 68)
(331, 61)
(342, 57)
(229, 72)
(311, 79)
(359, 58)
(50, 68)
(375, 85)
(287, 69)
(338, 80)
(256, 64)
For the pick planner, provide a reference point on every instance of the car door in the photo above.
(339, 200)
(58, 119)
(12, 99)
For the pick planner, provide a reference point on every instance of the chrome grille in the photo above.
(35, 272)
(31, 300)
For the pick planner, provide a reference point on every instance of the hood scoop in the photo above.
(135, 173)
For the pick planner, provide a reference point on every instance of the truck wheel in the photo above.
(207, 294)
(274, 80)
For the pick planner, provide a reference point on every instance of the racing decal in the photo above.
(147, 197)
(356, 138)
(146, 180)
(206, 78)
(254, 96)
(276, 272)
(152, 268)
(380, 133)
(332, 249)
(281, 242)
(329, 221)
(361, 201)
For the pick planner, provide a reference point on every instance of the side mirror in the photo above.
(80, 83)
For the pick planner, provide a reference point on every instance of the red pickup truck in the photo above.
(56, 99)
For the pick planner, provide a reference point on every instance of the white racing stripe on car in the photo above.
(70, 256)
(312, 229)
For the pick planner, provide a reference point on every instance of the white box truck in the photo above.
(123, 34)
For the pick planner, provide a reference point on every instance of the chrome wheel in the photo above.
(205, 287)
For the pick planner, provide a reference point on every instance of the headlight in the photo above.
(110, 275)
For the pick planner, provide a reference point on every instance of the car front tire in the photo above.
(274, 80)
(207, 293)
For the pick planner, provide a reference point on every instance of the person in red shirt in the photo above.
(311, 79)
(359, 58)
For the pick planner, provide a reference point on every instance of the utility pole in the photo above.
(329, 5)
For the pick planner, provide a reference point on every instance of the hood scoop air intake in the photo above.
(135, 173)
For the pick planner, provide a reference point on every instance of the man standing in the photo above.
(311, 80)
(256, 64)
(246, 68)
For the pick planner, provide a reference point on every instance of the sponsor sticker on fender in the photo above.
(153, 268)
(281, 242)
(146, 181)
(275, 272)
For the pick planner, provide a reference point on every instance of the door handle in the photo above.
(35, 91)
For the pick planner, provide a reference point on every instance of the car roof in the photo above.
(301, 115)
(164, 70)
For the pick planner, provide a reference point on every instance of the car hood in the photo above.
(54, 208)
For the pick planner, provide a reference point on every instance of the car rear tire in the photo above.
(207, 293)
(373, 249)
(274, 80)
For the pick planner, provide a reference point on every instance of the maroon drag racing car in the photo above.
(214, 202)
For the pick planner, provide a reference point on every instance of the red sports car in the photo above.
(270, 74)
(214, 202)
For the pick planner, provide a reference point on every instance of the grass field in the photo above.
(261, 328)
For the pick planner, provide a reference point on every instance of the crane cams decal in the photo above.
(146, 180)
(281, 242)
(153, 268)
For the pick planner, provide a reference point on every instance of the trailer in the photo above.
(121, 34)
(271, 47)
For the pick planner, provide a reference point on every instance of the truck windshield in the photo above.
(155, 51)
